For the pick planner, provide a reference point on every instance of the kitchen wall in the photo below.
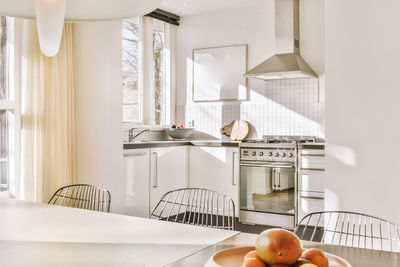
(97, 59)
(362, 107)
(291, 107)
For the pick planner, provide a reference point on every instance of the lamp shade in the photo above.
(84, 10)
(50, 21)
(51, 14)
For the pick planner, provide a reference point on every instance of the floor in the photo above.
(251, 229)
(278, 202)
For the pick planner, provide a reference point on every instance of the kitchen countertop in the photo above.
(169, 143)
(45, 235)
(208, 143)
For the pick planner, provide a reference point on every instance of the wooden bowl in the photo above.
(233, 257)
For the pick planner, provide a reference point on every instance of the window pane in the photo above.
(130, 112)
(158, 111)
(3, 151)
(3, 51)
(130, 71)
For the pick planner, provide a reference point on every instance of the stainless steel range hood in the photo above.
(289, 65)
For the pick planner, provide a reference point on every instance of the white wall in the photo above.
(252, 26)
(98, 110)
(362, 106)
(273, 107)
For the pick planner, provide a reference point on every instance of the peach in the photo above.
(278, 246)
(251, 254)
(316, 256)
(253, 262)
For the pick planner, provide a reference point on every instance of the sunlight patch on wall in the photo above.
(345, 155)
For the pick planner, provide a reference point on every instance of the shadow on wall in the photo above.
(282, 107)
(298, 95)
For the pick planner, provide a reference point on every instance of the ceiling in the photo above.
(195, 7)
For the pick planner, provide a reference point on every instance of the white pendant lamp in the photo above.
(50, 20)
(51, 14)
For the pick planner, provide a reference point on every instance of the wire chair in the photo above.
(82, 196)
(350, 229)
(196, 206)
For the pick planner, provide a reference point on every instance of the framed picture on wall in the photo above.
(218, 74)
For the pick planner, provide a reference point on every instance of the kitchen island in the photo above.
(43, 235)
(34, 234)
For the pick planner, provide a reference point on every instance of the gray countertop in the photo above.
(170, 143)
(208, 143)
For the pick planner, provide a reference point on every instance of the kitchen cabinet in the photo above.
(168, 171)
(310, 202)
(216, 168)
(310, 183)
(137, 191)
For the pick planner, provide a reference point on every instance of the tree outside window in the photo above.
(158, 73)
(131, 71)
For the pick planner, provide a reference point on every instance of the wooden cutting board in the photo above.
(240, 130)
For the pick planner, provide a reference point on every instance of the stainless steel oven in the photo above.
(268, 184)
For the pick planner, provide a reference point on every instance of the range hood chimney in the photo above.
(289, 65)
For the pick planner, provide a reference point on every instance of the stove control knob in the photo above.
(290, 155)
(270, 154)
(276, 154)
(283, 154)
(254, 153)
(261, 154)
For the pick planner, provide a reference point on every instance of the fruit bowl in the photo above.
(233, 257)
(179, 133)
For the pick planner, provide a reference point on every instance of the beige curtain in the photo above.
(48, 155)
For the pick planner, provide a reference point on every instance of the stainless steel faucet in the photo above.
(132, 137)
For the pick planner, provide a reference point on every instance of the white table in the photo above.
(43, 235)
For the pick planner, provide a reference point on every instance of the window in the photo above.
(146, 91)
(5, 109)
(131, 89)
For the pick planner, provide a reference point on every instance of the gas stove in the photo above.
(284, 139)
(268, 179)
(274, 148)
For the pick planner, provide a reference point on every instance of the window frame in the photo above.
(145, 75)
(12, 105)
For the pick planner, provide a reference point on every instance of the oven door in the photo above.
(267, 187)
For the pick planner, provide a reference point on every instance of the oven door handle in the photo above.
(267, 166)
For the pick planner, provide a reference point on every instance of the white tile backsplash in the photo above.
(290, 107)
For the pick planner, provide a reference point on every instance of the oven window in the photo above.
(267, 189)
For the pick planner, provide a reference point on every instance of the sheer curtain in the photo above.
(48, 157)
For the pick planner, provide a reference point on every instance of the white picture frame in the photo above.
(218, 74)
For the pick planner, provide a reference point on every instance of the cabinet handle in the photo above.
(312, 155)
(316, 198)
(155, 170)
(233, 167)
(312, 169)
(135, 154)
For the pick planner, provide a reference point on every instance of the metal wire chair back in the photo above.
(196, 206)
(82, 196)
(350, 229)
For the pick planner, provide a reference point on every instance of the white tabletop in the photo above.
(43, 235)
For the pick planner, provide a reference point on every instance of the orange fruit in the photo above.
(316, 257)
(253, 262)
(251, 254)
